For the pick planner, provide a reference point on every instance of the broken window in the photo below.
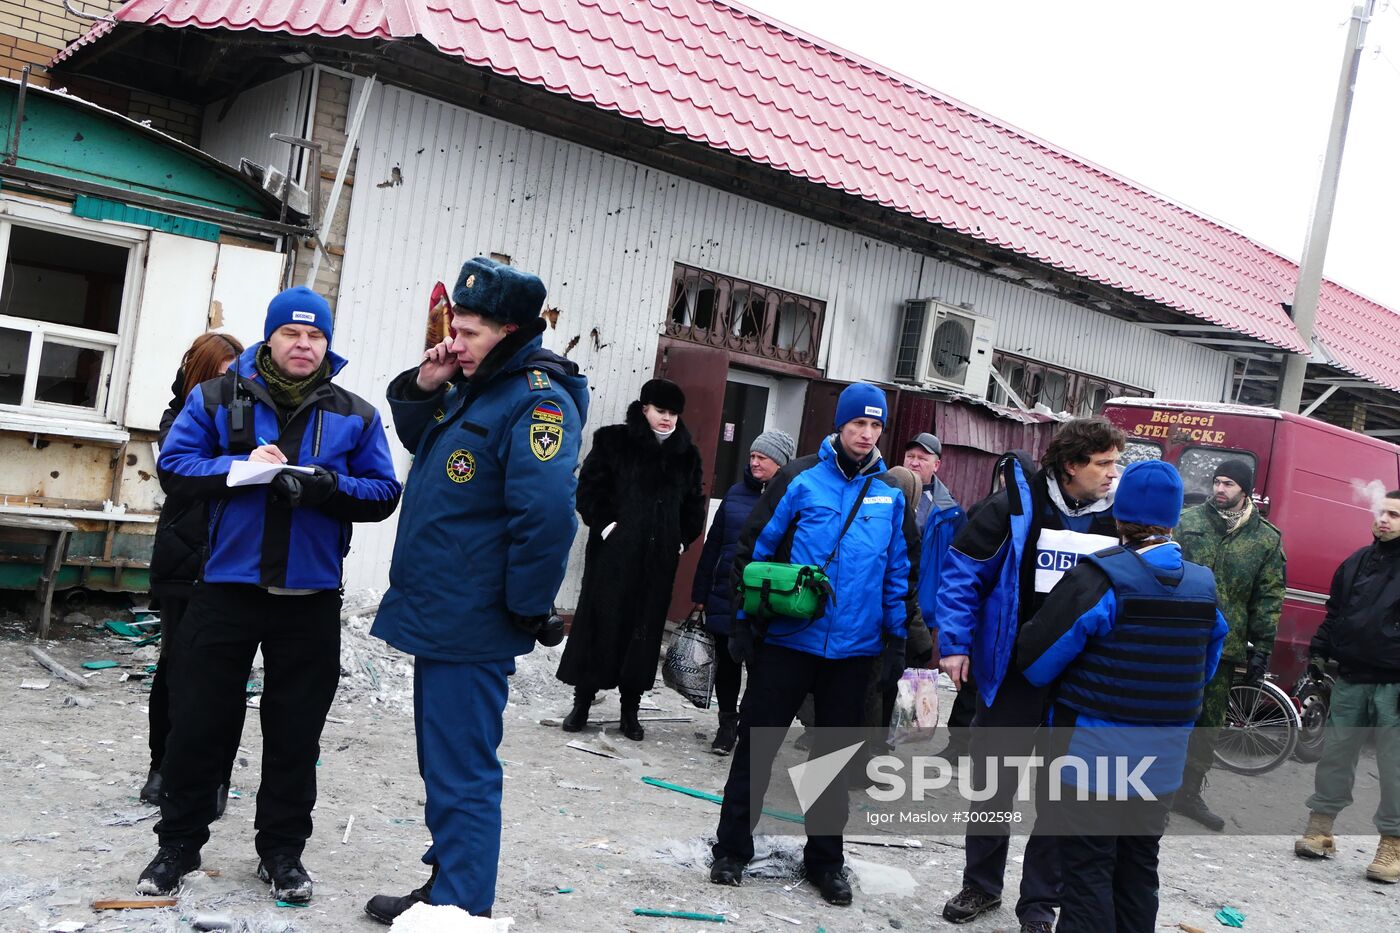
(60, 310)
(1060, 390)
(745, 317)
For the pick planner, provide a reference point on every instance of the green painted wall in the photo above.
(75, 140)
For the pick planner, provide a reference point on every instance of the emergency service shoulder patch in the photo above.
(545, 440)
(461, 466)
(548, 411)
(537, 380)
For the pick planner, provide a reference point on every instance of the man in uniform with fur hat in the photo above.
(1227, 534)
(493, 421)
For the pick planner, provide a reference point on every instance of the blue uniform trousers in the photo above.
(457, 709)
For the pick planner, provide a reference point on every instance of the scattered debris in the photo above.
(573, 785)
(1230, 916)
(585, 747)
(67, 926)
(213, 922)
(559, 890)
(716, 798)
(34, 684)
(876, 879)
(678, 914)
(349, 825)
(133, 903)
(58, 670)
(82, 702)
(132, 817)
(1187, 928)
(887, 843)
(100, 665)
(443, 918)
(769, 913)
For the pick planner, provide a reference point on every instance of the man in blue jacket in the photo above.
(1016, 546)
(1130, 638)
(799, 520)
(271, 580)
(494, 422)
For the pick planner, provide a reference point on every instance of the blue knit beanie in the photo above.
(861, 400)
(1150, 493)
(299, 305)
(499, 292)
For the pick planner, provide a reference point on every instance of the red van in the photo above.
(1314, 480)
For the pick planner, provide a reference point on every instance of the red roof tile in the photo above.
(726, 77)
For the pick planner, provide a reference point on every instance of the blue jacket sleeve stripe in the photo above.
(897, 565)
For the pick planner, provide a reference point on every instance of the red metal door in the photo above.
(700, 372)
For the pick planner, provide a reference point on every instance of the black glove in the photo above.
(548, 630)
(291, 488)
(1316, 664)
(741, 642)
(1255, 667)
(891, 663)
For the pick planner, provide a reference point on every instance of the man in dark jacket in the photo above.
(711, 591)
(1129, 638)
(1361, 632)
(1017, 545)
(800, 520)
(271, 581)
(493, 421)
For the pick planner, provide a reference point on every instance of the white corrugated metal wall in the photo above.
(278, 106)
(436, 184)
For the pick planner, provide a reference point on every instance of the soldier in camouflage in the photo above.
(1227, 534)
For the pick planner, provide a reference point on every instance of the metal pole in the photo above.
(1305, 293)
(352, 139)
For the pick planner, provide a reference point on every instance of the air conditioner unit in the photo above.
(944, 347)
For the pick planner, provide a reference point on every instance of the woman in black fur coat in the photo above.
(640, 494)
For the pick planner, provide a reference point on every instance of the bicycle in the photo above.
(1311, 697)
(1262, 728)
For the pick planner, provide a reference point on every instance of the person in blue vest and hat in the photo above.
(493, 421)
(1130, 638)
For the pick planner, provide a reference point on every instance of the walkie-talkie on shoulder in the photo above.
(242, 432)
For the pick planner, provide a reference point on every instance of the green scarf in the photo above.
(287, 394)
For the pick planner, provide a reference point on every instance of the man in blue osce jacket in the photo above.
(1016, 546)
(494, 422)
(1130, 638)
(799, 519)
(271, 580)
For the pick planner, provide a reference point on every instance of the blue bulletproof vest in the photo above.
(1151, 667)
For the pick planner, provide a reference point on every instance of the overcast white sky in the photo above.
(1220, 105)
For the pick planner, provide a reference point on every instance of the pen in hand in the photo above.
(262, 443)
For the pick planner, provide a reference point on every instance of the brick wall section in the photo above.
(332, 117)
(32, 31)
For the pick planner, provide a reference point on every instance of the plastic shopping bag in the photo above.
(689, 668)
(915, 706)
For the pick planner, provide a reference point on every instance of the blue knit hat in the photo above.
(1150, 493)
(499, 292)
(299, 305)
(861, 400)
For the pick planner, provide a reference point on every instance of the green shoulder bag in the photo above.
(794, 591)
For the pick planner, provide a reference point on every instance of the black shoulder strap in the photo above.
(850, 517)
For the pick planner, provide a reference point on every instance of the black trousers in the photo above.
(173, 605)
(779, 679)
(1110, 884)
(728, 674)
(215, 644)
(998, 731)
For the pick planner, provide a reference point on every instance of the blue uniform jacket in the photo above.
(1084, 606)
(874, 562)
(250, 541)
(711, 585)
(986, 586)
(488, 516)
(940, 529)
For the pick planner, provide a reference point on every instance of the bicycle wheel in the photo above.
(1261, 729)
(1311, 699)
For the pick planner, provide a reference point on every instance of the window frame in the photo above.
(115, 347)
(736, 300)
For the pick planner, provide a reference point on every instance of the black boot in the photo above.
(150, 791)
(578, 716)
(631, 727)
(220, 800)
(162, 876)
(1191, 805)
(386, 907)
(727, 735)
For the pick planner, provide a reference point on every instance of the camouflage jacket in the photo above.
(1249, 574)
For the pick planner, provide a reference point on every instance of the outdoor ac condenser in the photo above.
(944, 347)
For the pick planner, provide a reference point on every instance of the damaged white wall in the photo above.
(436, 184)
